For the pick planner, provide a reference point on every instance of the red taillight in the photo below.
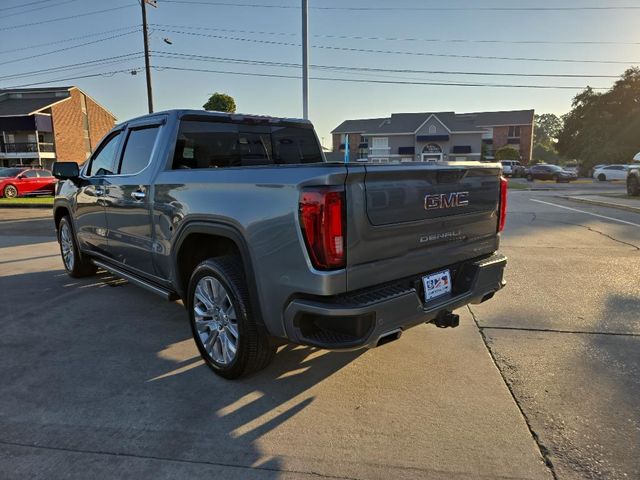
(322, 220)
(502, 209)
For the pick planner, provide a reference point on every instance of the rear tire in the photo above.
(602, 177)
(10, 191)
(224, 328)
(74, 263)
(633, 186)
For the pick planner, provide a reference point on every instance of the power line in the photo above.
(404, 39)
(29, 47)
(100, 61)
(37, 9)
(393, 82)
(58, 19)
(176, 55)
(410, 9)
(26, 4)
(102, 74)
(401, 52)
(331, 79)
(69, 48)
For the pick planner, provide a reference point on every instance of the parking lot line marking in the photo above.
(587, 213)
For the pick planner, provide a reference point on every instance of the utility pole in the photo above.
(305, 59)
(147, 65)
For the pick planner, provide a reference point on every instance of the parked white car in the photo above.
(611, 172)
(512, 168)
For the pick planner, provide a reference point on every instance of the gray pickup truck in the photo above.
(265, 242)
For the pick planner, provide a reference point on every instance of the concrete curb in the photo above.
(599, 203)
(25, 205)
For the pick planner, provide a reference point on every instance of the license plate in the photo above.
(437, 284)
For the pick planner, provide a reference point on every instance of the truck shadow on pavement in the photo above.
(21, 232)
(102, 367)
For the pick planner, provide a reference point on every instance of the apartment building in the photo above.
(436, 136)
(39, 126)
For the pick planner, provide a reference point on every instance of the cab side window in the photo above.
(104, 162)
(138, 149)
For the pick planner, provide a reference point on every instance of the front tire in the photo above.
(602, 177)
(10, 191)
(633, 186)
(222, 322)
(75, 265)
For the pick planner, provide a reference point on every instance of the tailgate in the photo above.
(409, 219)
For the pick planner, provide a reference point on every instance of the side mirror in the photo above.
(66, 170)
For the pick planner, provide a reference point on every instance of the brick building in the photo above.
(41, 125)
(436, 136)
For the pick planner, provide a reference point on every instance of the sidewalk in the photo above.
(623, 203)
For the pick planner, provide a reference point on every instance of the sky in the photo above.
(36, 39)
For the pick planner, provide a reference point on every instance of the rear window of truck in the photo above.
(203, 144)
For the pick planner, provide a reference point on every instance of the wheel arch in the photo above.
(59, 212)
(221, 239)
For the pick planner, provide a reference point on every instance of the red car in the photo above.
(19, 181)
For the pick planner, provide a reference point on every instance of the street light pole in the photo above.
(147, 65)
(305, 59)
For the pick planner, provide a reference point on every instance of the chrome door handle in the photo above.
(138, 195)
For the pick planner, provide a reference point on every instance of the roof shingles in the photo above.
(407, 123)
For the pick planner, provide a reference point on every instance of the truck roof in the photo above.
(237, 117)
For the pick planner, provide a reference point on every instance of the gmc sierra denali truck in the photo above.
(265, 242)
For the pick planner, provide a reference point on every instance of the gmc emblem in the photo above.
(446, 200)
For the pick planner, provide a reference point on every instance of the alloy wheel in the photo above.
(10, 191)
(66, 245)
(216, 320)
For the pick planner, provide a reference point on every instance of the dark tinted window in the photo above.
(295, 145)
(255, 148)
(137, 151)
(103, 163)
(31, 174)
(44, 173)
(206, 145)
(202, 144)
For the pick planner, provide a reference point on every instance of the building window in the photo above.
(514, 132)
(380, 143)
(433, 130)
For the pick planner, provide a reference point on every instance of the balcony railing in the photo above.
(379, 152)
(26, 147)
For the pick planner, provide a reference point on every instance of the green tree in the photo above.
(546, 129)
(220, 102)
(507, 153)
(603, 127)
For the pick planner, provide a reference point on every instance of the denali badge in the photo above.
(446, 200)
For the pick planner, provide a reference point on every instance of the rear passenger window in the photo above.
(203, 144)
(206, 145)
(138, 149)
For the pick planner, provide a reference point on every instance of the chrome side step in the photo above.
(164, 293)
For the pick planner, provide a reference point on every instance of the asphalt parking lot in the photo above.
(98, 375)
